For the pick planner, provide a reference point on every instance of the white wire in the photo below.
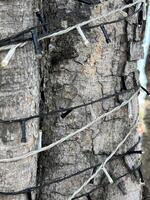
(108, 175)
(40, 140)
(86, 42)
(7, 47)
(93, 115)
(90, 20)
(82, 23)
(130, 110)
(4, 48)
(11, 52)
(102, 166)
(70, 135)
(9, 55)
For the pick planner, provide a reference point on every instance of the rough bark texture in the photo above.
(146, 138)
(74, 74)
(19, 97)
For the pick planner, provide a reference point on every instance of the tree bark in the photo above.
(19, 97)
(75, 74)
(146, 137)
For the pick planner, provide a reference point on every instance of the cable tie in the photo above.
(63, 115)
(86, 2)
(29, 194)
(123, 13)
(130, 111)
(140, 14)
(144, 10)
(86, 42)
(23, 129)
(122, 187)
(40, 140)
(41, 19)
(107, 174)
(36, 43)
(88, 197)
(92, 112)
(141, 176)
(107, 38)
(93, 172)
(9, 55)
(140, 18)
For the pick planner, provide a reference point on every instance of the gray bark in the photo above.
(146, 138)
(19, 97)
(74, 74)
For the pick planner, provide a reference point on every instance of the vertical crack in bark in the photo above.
(75, 74)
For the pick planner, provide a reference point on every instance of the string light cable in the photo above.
(145, 90)
(90, 2)
(21, 43)
(131, 151)
(115, 180)
(102, 166)
(90, 20)
(32, 153)
(6, 44)
(119, 20)
(61, 32)
(64, 110)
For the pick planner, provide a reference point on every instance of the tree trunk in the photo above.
(19, 97)
(75, 74)
(146, 138)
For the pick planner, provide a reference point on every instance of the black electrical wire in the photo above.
(62, 110)
(29, 195)
(136, 144)
(61, 179)
(87, 194)
(86, 2)
(89, 2)
(129, 152)
(12, 39)
(119, 20)
(125, 154)
(106, 184)
(69, 109)
(145, 90)
(15, 38)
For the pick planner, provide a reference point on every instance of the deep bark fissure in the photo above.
(70, 68)
(19, 97)
(70, 74)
